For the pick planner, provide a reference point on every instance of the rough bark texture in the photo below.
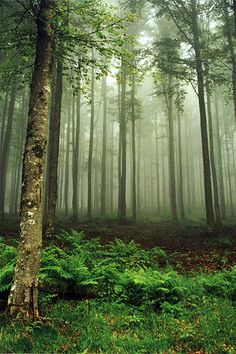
(203, 119)
(23, 296)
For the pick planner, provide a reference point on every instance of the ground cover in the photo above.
(120, 297)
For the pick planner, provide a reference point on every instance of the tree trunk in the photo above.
(229, 36)
(112, 169)
(172, 177)
(212, 155)
(220, 164)
(4, 116)
(76, 151)
(122, 209)
(4, 156)
(203, 119)
(133, 122)
(104, 151)
(23, 298)
(54, 137)
(181, 187)
(139, 171)
(157, 171)
(67, 162)
(91, 138)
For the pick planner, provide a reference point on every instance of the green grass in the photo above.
(110, 327)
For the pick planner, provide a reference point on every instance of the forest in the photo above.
(118, 176)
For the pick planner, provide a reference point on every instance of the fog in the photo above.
(132, 138)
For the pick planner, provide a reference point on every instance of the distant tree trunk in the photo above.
(104, 151)
(139, 171)
(91, 138)
(54, 137)
(187, 170)
(164, 179)
(220, 164)
(4, 116)
(229, 36)
(18, 164)
(228, 170)
(76, 152)
(23, 298)
(112, 169)
(181, 187)
(157, 171)
(61, 173)
(119, 150)
(234, 10)
(134, 196)
(172, 177)
(203, 118)
(212, 155)
(122, 209)
(67, 161)
(4, 157)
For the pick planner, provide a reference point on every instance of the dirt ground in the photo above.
(189, 247)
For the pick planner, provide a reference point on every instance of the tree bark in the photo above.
(122, 206)
(4, 156)
(231, 45)
(91, 138)
(54, 137)
(133, 122)
(76, 151)
(212, 155)
(104, 151)
(181, 187)
(172, 177)
(220, 164)
(23, 298)
(203, 119)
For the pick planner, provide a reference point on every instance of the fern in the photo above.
(8, 255)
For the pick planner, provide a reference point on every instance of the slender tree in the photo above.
(23, 298)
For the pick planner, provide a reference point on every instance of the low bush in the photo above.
(75, 267)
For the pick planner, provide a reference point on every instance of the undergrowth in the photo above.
(129, 304)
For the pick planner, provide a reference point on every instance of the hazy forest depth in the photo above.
(118, 176)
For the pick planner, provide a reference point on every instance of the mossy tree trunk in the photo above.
(23, 298)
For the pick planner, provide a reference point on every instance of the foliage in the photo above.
(80, 268)
(7, 262)
(138, 306)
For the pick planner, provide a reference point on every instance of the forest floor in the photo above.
(175, 294)
(190, 247)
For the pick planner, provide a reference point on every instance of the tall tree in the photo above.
(23, 298)
(91, 141)
(54, 136)
(123, 148)
(104, 150)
